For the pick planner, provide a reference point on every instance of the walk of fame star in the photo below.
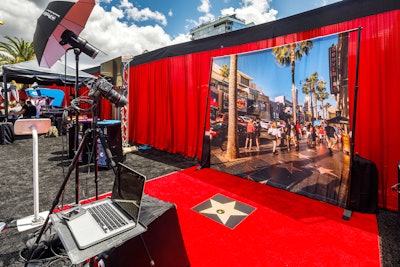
(224, 210)
(323, 170)
(289, 166)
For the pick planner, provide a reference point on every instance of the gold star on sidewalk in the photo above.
(223, 210)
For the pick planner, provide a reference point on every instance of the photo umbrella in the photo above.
(59, 17)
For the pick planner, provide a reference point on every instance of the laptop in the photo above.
(100, 220)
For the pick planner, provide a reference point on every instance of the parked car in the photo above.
(219, 133)
(265, 125)
(244, 119)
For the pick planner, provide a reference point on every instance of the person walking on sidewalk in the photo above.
(275, 134)
(249, 134)
(331, 137)
(257, 133)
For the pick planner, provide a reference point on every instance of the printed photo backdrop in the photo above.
(300, 90)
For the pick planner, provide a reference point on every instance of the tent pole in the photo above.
(5, 95)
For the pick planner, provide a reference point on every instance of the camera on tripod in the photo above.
(101, 87)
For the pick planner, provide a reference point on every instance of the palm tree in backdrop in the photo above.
(287, 55)
(224, 72)
(15, 50)
(326, 107)
(322, 94)
(232, 150)
(311, 86)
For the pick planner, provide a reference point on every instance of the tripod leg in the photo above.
(152, 263)
(109, 157)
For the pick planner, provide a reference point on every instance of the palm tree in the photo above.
(311, 86)
(224, 72)
(287, 55)
(232, 150)
(15, 50)
(326, 107)
(322, 94)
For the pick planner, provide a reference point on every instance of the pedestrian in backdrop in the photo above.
(249, 134)
(331, 137)
(257, 133)
(274, 132)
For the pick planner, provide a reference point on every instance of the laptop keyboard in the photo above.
(107, 218)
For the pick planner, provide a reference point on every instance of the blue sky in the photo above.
(275, 80)
(129, 27)
(182, 15)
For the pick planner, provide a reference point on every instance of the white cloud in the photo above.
(204, 7)
(257, 11)
(19, 18)
(115, 38)
(104, 1)
(206, 18)
(144, 14)
(252, 11)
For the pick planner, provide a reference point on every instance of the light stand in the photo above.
(77, 52)
(80, 45)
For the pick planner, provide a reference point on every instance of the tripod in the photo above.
(94, 132)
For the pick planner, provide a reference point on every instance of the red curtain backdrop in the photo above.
(105, 109)
(167, 98)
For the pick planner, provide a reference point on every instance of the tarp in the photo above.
(56, 96)
(29, 72)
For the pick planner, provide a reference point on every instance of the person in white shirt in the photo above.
(275, 133)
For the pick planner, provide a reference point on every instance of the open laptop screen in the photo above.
(129, 186)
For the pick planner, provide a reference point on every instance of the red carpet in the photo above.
(285, 229)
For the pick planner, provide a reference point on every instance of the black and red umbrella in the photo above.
(59, 17)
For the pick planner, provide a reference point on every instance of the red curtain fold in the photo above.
(164, 108)
(167, 98)
(105, 109)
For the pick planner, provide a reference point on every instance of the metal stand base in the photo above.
(30, 222)
(347, 214)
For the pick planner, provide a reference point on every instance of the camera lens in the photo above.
(104, 88)
(116, 98)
